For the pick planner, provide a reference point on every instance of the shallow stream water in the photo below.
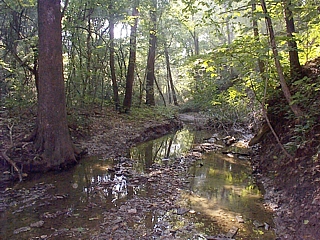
(221, 195)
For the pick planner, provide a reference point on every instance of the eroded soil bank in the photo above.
(292, 186)
(292, 183)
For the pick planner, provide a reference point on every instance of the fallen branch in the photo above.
(13, 164)
(265, 114)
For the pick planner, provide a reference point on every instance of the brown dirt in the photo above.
(292, 185)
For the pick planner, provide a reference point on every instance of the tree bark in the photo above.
(111, 59)
(171, 85)
(261, 64)
(295, 67)
(52, 139)
(285, 89)
(160, 92)
(132, 61)
(151, 57)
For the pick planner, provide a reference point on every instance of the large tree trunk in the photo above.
(295, 67)
(112, 65)
(285, 89)
(132, 60)
(151, 57)
(52, 139)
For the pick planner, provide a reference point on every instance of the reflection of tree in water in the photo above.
(119, 189)
(226, 185)
(96, 181)
(163, 149)
(148, 150)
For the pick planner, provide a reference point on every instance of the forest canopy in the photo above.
(200, 54)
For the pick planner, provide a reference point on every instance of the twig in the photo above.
(11, 133)
(268, 121)
(13, 164)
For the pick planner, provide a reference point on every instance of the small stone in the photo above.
(266, 226)
(114, 228)
(232, 232)
(37, 224)
(132, 211)
(182, 211)
(22, 229)
(258, 224)
(239, 219)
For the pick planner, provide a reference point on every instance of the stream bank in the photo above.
(292, 186)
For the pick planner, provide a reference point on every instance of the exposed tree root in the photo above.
(12, 163)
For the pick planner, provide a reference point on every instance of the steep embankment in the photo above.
(292, 185)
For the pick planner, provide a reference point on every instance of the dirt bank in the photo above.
(292, 183)
(292, 189)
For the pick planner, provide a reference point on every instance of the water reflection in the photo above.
(166, 149)
(220, 190)
(223, 191)
(76, 197)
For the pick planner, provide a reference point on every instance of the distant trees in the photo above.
(201, 51)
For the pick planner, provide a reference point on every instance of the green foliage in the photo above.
(226, 81)
(306, 92)
(223, 78)
(20, 95)
(299, 138)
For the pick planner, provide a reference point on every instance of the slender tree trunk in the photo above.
(286, 91)
(295, 67)
(151, 57)
(88, 74)
(230, 69)
(195, 37)
(170, 86)
(261, 65)
(141, 89)
(111, 60)
(52, 137)
(196, 42)
(160, 92)
(169, 90)
(132, 61)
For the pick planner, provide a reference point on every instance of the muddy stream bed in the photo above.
(160, 190)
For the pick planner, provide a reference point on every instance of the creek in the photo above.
(219, 195)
